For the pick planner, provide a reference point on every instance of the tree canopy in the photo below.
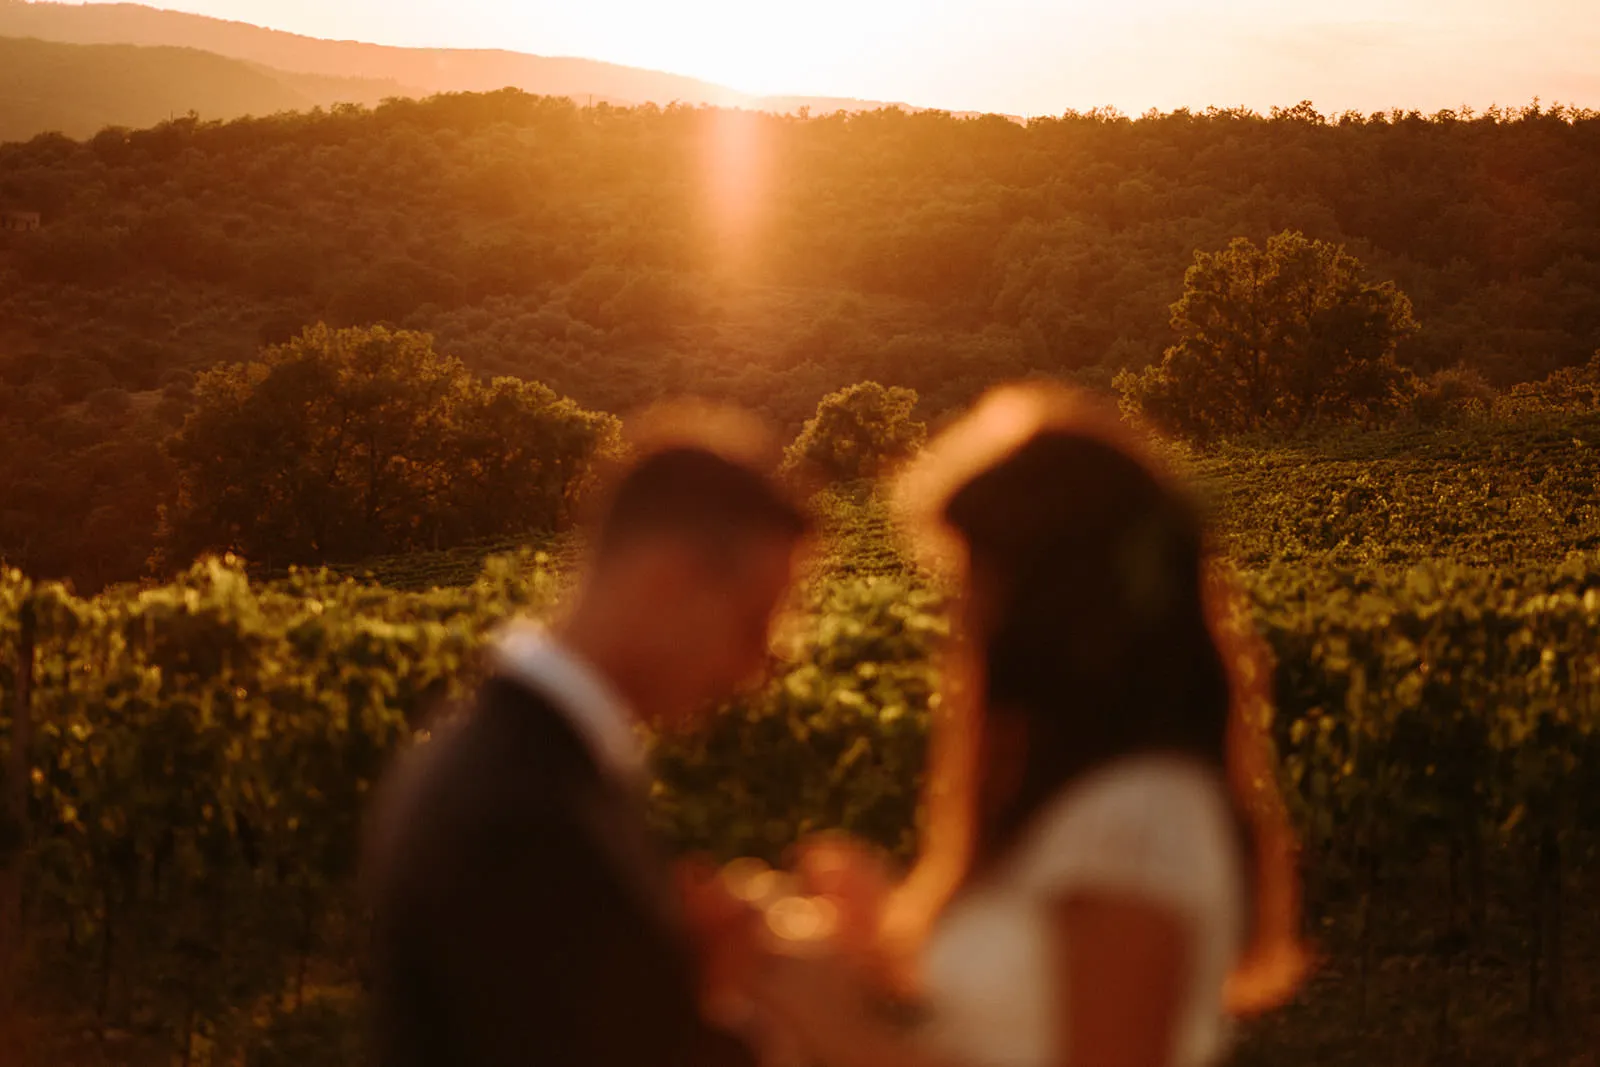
(591, 249)
(1274, 338)
(344, 444)
(858, 432)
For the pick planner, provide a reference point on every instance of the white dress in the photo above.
(1151, 827)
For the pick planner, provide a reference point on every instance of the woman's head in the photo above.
(1091, 617)
(1086, 608)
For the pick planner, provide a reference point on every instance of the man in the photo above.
(522, 914)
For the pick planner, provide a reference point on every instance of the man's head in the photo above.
(694, 547)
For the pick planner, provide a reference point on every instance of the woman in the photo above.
(1106, 872)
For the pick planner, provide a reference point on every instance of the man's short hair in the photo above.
(699, 471)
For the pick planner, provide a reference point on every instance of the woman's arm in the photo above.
(1123, 970)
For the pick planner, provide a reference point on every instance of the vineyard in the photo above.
(197, 757)
(1502, 495)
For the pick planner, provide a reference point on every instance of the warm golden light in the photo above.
(734, 162)
(1026, 57)
(751, 881)
(802, 920)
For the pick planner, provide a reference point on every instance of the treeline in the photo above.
(347, 444)
(617, 254)
(366, 449)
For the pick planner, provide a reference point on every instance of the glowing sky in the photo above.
(1025, 56)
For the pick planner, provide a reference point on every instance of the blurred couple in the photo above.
(1105, 877)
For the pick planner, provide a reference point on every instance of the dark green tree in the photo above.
(1450, 396)
(342, 444)
(1274, 338)
(858, 432)
(522, 454)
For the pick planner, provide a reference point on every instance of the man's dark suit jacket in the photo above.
(523, 916)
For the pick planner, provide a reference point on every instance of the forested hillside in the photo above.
(615, 254)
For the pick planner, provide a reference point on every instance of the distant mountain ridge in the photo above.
(79, 90)
(406, 71)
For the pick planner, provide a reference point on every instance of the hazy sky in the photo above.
(1025, 56)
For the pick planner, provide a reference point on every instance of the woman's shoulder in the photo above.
(1147, 784)
(1155, 825)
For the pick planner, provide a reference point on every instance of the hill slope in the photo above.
(594, 250)
(421, 70)
(81, 89)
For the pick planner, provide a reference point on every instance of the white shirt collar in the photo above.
(527, 653)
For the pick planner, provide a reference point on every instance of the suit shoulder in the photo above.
(505, 758)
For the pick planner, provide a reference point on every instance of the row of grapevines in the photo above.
(203, 753)
(1493, 495)
(1440, 736)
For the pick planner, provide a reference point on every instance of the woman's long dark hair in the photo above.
(1104, 637)
(1100, 642)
